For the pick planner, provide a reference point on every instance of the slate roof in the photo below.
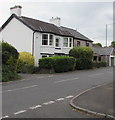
(76, 34)
(44, 27)
(103, 50)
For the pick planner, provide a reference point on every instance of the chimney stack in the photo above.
(16, 10)
(56, 21)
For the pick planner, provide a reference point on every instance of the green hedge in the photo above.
(84, 56)
(47, 62)
(58, 63)
(99, 64)
(9, 62)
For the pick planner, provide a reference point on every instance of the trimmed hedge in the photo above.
(58, 63)
(84, 56)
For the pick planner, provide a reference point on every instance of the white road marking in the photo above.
(50, 76)
(40, 77)
(19, 112)
(66, 80)
(50, 102)
(93, 75)
(4, 117)
(34, 107)
(21, 88)
(59, 99)
(71, 96)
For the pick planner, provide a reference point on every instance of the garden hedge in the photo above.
(58, 63)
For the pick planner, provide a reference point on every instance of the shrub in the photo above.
(25, 63)
(7, 52)
(83, 57)
(99, 64)
(58, 63)
(9, 62)
(26, 57)
(64, 63)
(47, 62)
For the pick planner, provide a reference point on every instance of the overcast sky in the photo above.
(89, 18)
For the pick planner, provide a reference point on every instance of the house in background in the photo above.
(40, 38)
(106, 54)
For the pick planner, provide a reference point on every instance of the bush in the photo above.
(7, 52)
(64, 63)
(26, 57)
(99, 64)
(25, 63)
(47, 62)
(9, 62)
(58, 63)
(84, 56)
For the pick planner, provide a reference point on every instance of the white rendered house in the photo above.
(40, 38)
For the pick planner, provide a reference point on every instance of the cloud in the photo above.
(89, 18)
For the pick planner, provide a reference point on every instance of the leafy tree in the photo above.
(83, 55)
(113, 44)
(98, 44)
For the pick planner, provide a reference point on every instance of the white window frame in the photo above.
(58, 42)
(44, 39)
(71, 42)
(52, 40)
(79, 43)
(64, 43)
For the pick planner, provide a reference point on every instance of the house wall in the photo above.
(18, 35)
(40, 49)
(82, 43)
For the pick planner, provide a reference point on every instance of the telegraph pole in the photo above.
(106, 35)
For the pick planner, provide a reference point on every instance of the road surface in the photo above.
(48, 96)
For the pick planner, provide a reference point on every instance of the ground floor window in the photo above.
(95, 58)
(78, 43)
(99, 58)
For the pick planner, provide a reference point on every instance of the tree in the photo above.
(113, 44)
(98, 44)
(83, 55)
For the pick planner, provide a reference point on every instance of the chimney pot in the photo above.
(16, 10)
(56, 21)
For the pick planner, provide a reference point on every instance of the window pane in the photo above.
(51, 36)
(44, 42)
(65, 42)
(78, 43)
(70, 42)
(51, 40)
(44, 39)
(45, 36)
(57, 43)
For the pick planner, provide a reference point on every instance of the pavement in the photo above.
(97, 101)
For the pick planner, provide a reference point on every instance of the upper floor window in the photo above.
(70, 42)
(65, 42)
(51, 40)
(57, 42)
(78, 43)
(87, 44)
(44, 39)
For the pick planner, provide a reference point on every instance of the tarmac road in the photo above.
(48, 96)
